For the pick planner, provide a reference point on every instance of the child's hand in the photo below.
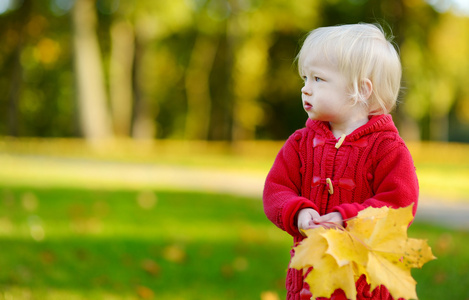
(306, 218)
(309, 218)
(330, 220)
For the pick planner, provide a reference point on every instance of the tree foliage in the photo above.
(210, 69)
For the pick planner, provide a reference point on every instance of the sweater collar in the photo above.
(376, 123)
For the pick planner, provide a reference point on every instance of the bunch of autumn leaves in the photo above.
(374, 243)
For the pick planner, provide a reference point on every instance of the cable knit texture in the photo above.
(372, 167)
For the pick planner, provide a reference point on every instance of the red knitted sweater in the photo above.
(372, 167)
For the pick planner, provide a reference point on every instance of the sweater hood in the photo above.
(378, 123)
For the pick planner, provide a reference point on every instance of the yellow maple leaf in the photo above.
(304, 257)
(345, 248)
(375, 244)
(339, 277)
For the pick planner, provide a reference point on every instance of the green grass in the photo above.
(131, 245)
(446, 277)
(91, 244)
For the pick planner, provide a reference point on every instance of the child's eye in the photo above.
(304, 78)
(317, 79)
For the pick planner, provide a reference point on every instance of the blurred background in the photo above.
(135, 135)
(211, 69)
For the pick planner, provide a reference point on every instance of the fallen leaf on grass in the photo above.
(6, 225)
(240, 264)
(145, 292)
(444, 244)
(29, 201)
(174, 253)
(146, 199)
(268, 295)
(151, 267)
(47, 257)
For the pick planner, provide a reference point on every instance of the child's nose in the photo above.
(306, 90)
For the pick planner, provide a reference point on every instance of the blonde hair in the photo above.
(360, 51)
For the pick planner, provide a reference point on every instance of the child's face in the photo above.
(325, 94)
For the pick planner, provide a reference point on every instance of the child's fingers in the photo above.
(314, 224)
(329, 221)
(303, 224)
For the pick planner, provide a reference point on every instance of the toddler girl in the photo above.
(350, 155)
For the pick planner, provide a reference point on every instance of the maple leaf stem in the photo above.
(355, 238)
(331, 225)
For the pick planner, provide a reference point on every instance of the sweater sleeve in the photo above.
(282, 200)
(395, 183)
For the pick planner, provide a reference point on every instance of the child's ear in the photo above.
(366, 89)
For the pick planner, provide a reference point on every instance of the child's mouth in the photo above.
(307, 105)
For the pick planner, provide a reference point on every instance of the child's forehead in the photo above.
(318, 59)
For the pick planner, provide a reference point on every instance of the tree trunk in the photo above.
(14, 92)
(123, 44)
(439, 127)
(143, 126)
(94, 116)
(197, 83)
(248, 79)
